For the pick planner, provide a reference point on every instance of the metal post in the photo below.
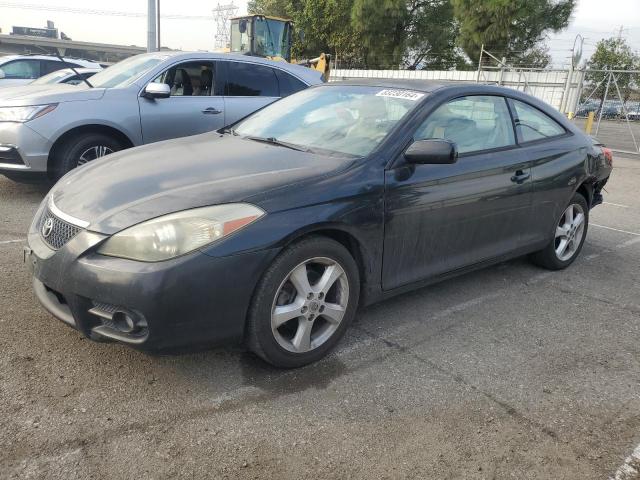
(606, 92)
(501, 78)
(626, 114)
(567, 89)
(158, 22)
(151, 26)
(576, 101)
(480, 63)
(589, 125)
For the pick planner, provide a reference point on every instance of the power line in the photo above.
(90, 11)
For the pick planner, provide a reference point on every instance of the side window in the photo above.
(74, 80)
(474, 123)
(250, 80)
(22, 69)
(288, 83)
(190, 79)
(48, 66)
(532, 124)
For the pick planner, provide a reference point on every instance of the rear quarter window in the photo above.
(288, 83)
(533, 124)
(251, 80)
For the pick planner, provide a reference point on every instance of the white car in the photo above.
(24, 69)
(67, 75)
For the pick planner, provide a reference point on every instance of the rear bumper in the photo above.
(192, 300)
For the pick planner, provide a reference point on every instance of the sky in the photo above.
(593, 19)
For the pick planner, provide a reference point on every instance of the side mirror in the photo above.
(157, 90)
(432, 151)
(2, 74)
(242, 26)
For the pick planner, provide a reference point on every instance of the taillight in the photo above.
(608, 155)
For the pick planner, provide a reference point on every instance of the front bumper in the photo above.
(22, 150)
(191, 300)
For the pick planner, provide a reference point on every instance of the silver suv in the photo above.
(147, 98)
(24, 69)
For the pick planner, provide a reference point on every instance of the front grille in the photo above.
(58, 232)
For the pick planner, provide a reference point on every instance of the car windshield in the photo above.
(126, 72)
(344, 119)
(51, 78)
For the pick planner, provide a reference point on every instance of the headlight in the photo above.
(175, 234)
(24, 114)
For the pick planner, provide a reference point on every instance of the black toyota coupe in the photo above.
(274, 230)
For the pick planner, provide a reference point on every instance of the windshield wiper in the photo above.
(280, 143)
(229, 130)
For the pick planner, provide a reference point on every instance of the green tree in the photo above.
(613, 54)
(409, 33)
(510, 28)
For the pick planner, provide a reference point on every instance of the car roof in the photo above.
(308, 75)
(79, 61)
(426, 86)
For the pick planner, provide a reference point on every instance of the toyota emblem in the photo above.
(47, 227)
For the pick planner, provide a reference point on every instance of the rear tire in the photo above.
(569, 236)
(304, 303)
(82, 149)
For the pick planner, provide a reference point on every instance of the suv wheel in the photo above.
(83, 149)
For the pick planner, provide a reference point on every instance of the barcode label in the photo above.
(406, 94)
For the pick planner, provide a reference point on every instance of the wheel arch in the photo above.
(344, 236)
(586, 190)
(83, 129)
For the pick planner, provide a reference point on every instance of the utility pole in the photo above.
(158, 14)
(152, 22)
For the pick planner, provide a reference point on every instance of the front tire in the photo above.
(83, 149)
(569, 236)
(304, 303)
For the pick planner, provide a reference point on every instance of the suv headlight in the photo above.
(24, 114)
(175, 234)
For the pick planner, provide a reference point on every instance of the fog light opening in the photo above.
(125, 322)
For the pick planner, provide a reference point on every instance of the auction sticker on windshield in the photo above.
(406, 94)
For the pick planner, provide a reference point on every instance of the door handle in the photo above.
(520, 177)
(211, 111)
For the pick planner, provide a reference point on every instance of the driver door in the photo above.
(441, 218)
(195, 105)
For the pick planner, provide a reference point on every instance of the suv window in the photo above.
(250, 80)
(190, 79)
(288, 83)
(48, 66)
(532, 124)
(474, 123)
(22, 69)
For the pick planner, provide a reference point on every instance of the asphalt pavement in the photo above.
(508, 372)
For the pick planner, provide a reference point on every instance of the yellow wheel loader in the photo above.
(270, 37)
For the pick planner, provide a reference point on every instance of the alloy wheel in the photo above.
(569, 232)
(93, 153)
(309, 304)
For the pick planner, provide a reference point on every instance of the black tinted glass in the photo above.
(250, 80)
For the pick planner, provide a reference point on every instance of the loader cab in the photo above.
(262, 36)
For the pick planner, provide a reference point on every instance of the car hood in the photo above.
(135, 185)
(42, 94)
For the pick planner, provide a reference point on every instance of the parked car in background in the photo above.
(67, 75)
(273, 231)
(51, 129)
(24, 69)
